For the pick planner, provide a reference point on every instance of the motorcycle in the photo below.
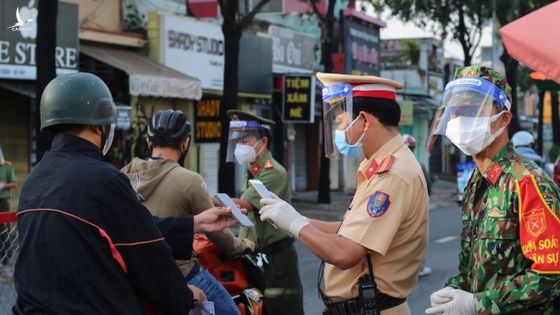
(240, 275)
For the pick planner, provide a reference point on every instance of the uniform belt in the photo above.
(353, 306)
(278, 246)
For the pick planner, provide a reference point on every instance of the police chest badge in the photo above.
(378, 204)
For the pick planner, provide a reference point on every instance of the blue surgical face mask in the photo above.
(350, 150)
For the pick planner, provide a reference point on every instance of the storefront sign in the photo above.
(18, 32)
(298, 99)
(291, 51)
(407, 110)
(207, 124)
(361, 48)
(123, 117)
(194, 48)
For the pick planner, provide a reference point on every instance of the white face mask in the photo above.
(109, 140)
(472, 134)
(245, 154)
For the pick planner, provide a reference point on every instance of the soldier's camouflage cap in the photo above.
(489, 74)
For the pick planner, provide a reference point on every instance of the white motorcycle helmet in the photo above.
(522, 139)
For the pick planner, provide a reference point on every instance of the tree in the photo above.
(327, 22)
(460, 20)
(508, 11)
(46, 66)
(234, 22)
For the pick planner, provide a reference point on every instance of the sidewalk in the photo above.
(443, 194)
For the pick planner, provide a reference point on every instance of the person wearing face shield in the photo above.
(372, 257)
(508, 262)
(248, 145)
(87, 246)
(167, 189)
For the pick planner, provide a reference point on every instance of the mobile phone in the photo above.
(226, 201)
(260, 188)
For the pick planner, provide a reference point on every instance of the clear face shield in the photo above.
(242, 141)
(469, 106)
(109, 140)
(337, 119)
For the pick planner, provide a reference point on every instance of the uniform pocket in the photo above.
(496, 246)
(499, 229)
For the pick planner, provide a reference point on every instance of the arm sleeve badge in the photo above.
(378, 204)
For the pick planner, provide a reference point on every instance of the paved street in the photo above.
(442, 253)
(445, 225)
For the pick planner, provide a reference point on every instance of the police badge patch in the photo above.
(378, 204)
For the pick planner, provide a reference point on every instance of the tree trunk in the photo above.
(555, 119)
(540, 124)
(324, 195)
(232, 38)
(46, 67)
(511, 75)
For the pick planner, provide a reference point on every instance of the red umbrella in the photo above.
(535, 40)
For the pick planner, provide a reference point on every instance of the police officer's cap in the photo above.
(367, 86)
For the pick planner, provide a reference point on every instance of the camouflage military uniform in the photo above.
(283, 293)
(491, 263)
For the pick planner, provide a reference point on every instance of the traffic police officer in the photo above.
(508, 261)
(249, 142)
(385, 230)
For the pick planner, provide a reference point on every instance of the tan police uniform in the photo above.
(389, 216)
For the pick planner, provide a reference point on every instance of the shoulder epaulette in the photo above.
(268, 164)
(378, 168)
(255, 168)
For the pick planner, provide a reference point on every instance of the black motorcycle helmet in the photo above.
(168, 128)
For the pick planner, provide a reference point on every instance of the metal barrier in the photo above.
(8, 253)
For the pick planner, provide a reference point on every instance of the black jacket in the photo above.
(70, 200)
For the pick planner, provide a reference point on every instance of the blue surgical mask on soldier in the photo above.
(472, 134)
(245, 154)
(350, 150)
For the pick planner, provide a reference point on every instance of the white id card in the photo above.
(260, 188)
(226, 201)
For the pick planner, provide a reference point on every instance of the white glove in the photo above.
(2, 185)
(449, 301)
(440, 296)
(283, 215)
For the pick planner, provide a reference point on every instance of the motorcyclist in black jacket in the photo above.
(87, 246)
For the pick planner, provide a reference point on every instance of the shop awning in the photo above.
(25, 88)
(145, 76)
(532, 40)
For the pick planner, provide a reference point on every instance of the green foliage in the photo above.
(460, 20)
(413, 50)
(134, 20)
(523, 80)
(510, 10)
(140, 131)
(554, 152)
